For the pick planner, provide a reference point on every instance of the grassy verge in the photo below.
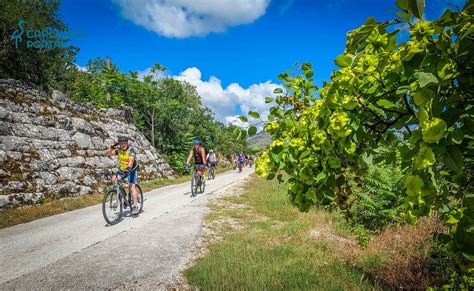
(13, 216)
(268, 244)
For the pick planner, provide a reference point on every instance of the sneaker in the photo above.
(134, 210)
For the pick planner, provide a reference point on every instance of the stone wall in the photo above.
(52, 147)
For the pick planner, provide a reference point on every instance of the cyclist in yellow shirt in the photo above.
(128, 166)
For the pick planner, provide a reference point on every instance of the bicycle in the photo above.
(198, 182)
(117, 198)
(212, 172)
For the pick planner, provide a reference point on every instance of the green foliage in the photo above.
(45, 67)
(418, 92)
(444, 267)
(378, 199)
(101, 85)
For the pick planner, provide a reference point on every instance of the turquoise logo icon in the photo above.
(17, 35)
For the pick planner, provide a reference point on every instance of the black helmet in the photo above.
(122, 138)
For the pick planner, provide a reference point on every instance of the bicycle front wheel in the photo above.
(194, 185)
(112, 207)
(202, 185)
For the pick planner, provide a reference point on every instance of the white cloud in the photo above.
(235, 121)
(185, 18)
(225, 102)
(82, 69)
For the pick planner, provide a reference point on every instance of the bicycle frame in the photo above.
(123, 194)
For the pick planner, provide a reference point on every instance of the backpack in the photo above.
(212, 158)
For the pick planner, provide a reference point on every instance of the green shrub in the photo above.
(378, 199)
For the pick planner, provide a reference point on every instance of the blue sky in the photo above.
(241, 45)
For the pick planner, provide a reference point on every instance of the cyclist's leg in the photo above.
(116, 175)
(132, 180)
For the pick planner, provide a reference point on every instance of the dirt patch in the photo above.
(325, 233)
(399, 256)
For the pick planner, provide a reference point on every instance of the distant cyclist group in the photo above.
(240, 160)
(117, 198)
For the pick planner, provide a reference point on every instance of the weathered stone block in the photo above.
(16, 185)
(48, 178)
(82, 125)
(83, 140)
(76, 161)
(100, 162)
(69, 173)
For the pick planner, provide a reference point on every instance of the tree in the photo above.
(42, 66)
(418, 91)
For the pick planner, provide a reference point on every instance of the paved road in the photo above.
(77, 249)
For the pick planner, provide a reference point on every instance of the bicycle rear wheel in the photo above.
(112, 207)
